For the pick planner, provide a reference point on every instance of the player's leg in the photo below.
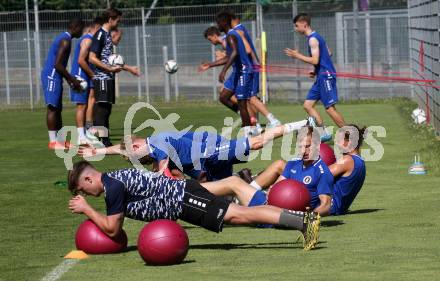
(261, 108)
(226, 98)
(244, 114)
(80, 99)
(89, 112)
(269, 176)
(231, 186)
(336, 116)
(309, 107)
(105, 97)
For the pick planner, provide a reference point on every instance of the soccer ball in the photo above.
(419, 116)
(171, 66)
(116, 60)
(82, 82)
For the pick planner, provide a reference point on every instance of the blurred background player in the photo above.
(213, 35)
(324, 88)
(104, 78)
(146, 196)
(82, 69)
(52, 75)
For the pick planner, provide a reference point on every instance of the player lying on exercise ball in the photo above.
(348, 172)
(146, 196)
(200, 155)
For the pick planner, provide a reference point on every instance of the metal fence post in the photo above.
(214, 75)
(368, 44)
(144, 43)
(356, 52)
(28, 41)
(166, 75)
(389, 58)
(37, 49)
(5, 52)
(174, 42)
(138, 60)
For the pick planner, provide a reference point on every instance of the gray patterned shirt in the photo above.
(143, 195)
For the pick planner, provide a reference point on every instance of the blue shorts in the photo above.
(81, 97)
(53, 90)
(219, 165)
(324, 89)
(255, 84)
(244, 85)
(231, 81)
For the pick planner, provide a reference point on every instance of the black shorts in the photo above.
(202, 208)
(104, 90)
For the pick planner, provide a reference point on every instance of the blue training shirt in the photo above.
(325, 65)
(243, 62)
(49, 65)
(317, 178)
(76, 69)
(248, 37)
(346, 188)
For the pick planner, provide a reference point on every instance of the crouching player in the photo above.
(349, 173)
(148, 196)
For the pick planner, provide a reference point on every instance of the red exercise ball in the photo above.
(289, 194)
(92, 240)
(163, 242)
(327, 154)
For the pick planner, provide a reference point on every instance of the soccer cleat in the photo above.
(59, 145)
(245, 174)
(311, 121)
(310, 231)
(274, 124)
(325, 136)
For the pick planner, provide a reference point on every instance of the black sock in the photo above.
(292, 219)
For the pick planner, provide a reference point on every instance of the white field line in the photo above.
(59, 270)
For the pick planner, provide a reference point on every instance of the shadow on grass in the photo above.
(330, 223)
(130, 249)
(363, 211)
(262, 246)
(184, 262)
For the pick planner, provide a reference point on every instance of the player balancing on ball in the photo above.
(147, 196)
(52, 75)
(200, 155)
(348, 172)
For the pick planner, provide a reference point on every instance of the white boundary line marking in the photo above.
(59, 270)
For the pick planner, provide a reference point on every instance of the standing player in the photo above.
(145, 196)
(82, 70)
(104, 78)
(52, 80)
(324, 88)
(212, 34)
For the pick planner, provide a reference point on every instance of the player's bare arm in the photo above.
(314, 47)
(232, 41)
(111, 225)
(62, 53)
(93, 59)
(82, 59)
(134, 70)
(342, 167)
(324, 208)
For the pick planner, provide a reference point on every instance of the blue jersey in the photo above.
(346, 188)
(247, 36)
(49, 66)
(76, 69)
(243, 61)
(143, 195)
(317, 178)
(325, 65)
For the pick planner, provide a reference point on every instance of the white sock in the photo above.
(255, 185)
(295, 126)
(52, 136)
(81, 134)
(271, 118)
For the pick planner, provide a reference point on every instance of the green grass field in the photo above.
(392, 232)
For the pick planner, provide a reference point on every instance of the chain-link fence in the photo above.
(377, 46)
(425, 55)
